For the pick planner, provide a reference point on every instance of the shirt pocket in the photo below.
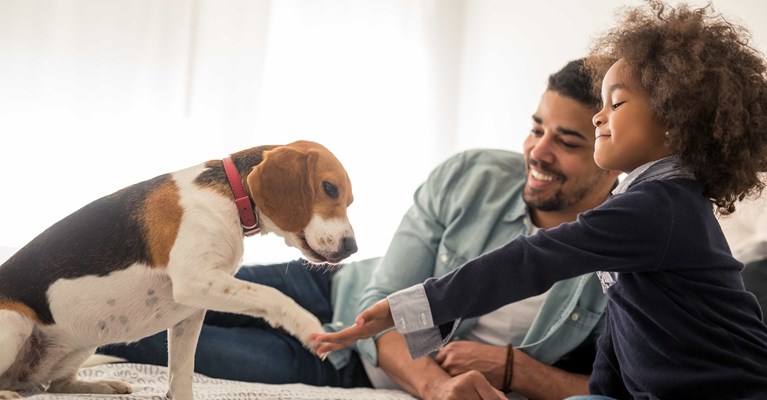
(447, 260)
(581, 319)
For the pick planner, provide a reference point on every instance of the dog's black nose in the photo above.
(348, 246)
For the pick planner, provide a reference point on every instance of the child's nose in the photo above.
(598, 119)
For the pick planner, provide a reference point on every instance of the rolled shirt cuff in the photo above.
(412, 317)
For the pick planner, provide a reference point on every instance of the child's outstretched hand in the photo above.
(371, 321)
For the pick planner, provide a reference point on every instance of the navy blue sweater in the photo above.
(679, 323)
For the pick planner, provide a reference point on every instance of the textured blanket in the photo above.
(151, 382)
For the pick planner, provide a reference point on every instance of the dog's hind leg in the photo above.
(69, 383)
(182, 344)
(15, 329)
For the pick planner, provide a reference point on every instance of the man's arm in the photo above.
(421, 377)
(424, 378)
(534, 379)
(530, 378)
(427, 379)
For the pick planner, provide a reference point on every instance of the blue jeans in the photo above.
(244, 348)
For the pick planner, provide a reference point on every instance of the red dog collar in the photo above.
(248, 218)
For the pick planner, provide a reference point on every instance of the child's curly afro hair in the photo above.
(706, 84)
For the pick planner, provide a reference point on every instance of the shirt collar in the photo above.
(662, 169)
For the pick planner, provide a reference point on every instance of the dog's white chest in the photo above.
(121, 307)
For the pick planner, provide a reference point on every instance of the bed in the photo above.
(151, 382)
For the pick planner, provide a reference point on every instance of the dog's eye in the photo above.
(330, 189)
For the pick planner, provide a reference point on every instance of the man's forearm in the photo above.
(531, 378)
(534, 379)
(417, 377)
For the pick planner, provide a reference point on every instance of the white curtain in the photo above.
(99, 94)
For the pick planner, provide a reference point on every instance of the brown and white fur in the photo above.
(155, 256)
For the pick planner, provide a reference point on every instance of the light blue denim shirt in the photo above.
(470, 204)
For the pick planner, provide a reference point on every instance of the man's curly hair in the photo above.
(705, 83)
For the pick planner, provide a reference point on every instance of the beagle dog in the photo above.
(156, 255)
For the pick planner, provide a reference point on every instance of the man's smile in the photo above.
(539, 179)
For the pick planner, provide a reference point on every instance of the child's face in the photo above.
(627, 134)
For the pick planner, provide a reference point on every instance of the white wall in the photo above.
(95, 95)
(510, 48)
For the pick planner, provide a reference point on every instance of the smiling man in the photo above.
(562, 179)
(476, 201)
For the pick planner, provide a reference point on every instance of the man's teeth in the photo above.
(541, 176)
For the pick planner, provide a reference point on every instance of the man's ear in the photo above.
(279, 186)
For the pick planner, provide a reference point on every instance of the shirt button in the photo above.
(443, 258)
(575, 316)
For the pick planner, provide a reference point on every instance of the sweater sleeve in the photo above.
(628, 233)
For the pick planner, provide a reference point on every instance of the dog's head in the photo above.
(301, 192)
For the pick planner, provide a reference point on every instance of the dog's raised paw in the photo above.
(312, 326)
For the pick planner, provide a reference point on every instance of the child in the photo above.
(685, 115)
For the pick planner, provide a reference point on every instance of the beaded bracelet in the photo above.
(509, 368)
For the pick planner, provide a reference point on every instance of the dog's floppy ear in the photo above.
(281, 187)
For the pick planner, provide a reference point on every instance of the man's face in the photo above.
(559, 155)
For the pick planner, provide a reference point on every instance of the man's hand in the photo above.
(468, 386)
(376, 318)
(462, 356)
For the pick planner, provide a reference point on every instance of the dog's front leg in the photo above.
(219, 291)
(182, 344)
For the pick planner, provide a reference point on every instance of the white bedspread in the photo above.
(151, 382)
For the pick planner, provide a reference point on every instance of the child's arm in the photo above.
(373, 320)
(428, 314)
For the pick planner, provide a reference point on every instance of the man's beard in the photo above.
(559, 200)
(550, 203)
